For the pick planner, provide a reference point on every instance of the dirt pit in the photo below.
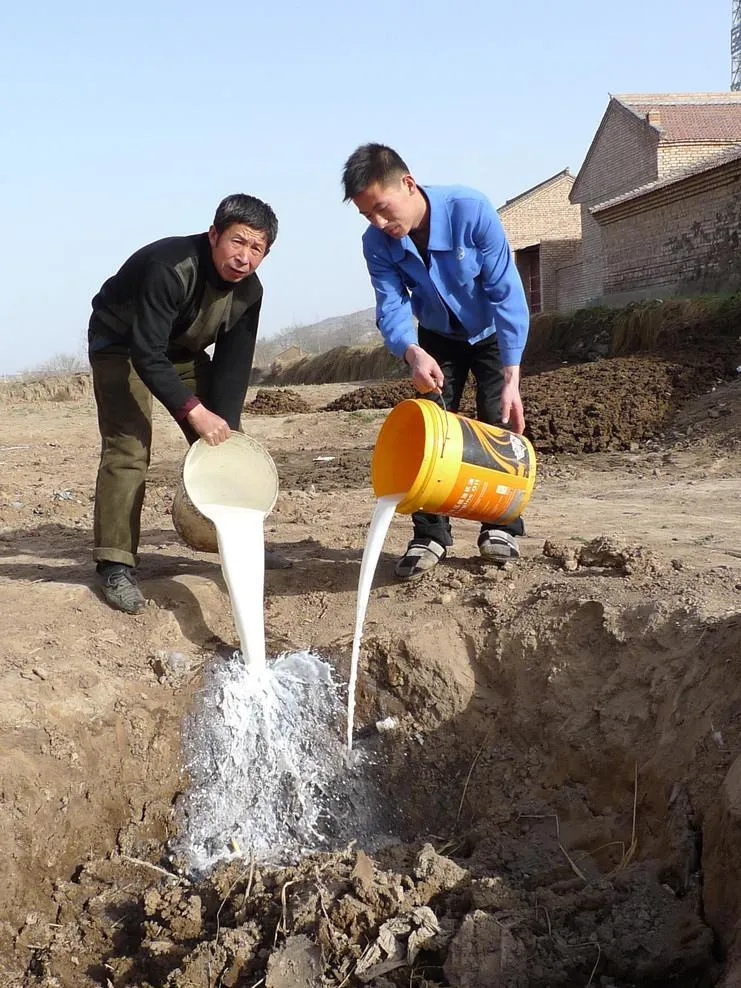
(561, 789)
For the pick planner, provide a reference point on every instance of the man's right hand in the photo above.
(211, 428)
(426, 372)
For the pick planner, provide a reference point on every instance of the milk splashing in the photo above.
(270, 776)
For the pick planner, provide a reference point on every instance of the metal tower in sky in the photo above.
(736, 45)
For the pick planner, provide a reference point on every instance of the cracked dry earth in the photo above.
(562, 793)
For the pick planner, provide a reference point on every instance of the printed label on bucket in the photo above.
(494, 475)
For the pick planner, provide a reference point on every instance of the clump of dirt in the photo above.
(344, 918)
(277, 401)
(605, 553)
(384, 395)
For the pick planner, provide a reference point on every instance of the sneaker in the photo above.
(118, 583)
(421, 556)
(498, 547)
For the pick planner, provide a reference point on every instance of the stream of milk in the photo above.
(242, 549)
(379, 526)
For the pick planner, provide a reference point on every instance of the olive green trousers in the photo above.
(125, 422)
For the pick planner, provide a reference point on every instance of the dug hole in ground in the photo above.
(559, 802)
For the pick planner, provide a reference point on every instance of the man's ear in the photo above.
(409, 184)
(213, 236)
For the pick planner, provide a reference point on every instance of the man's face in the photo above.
(395, 208)
(238, 251)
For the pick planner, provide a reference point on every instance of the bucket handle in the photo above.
(447, 426)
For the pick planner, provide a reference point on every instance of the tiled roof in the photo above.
(689, 117)
(717, 160)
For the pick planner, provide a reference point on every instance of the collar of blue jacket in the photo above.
(471, 274)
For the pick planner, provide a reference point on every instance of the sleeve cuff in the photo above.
(191, 403)
(510, 358)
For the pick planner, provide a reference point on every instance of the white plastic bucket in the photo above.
(238, 472)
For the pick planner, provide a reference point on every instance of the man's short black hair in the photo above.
(368, 164)
(245, 209)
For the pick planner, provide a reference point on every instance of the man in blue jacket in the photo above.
(439, 255)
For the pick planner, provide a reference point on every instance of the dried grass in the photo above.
(342, 364)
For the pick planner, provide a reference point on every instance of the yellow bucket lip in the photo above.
(432, 415)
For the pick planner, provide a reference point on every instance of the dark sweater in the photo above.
(167, 303)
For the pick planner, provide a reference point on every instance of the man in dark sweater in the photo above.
(150, 327)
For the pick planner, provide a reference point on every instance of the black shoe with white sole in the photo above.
(421, 556)
(498, 547)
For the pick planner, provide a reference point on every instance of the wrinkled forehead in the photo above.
(246, 234)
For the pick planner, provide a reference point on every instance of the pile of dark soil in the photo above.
(584, 408)
(277, 401)
(607, 405)
(383, 395)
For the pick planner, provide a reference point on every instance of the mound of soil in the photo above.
(383, 395)
(607, 405)
(277, 401)
(585, 408)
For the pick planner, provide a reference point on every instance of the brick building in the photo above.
(645, 142)
(544, 230)
(678, 235)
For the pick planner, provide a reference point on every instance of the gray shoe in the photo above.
(498, 547)
(118, 583)
(421, 556)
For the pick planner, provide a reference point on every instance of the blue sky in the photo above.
(129, 122)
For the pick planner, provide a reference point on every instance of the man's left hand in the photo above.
(512, 411)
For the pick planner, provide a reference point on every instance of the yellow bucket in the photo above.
(450, 465)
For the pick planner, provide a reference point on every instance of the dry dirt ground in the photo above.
(564, 782)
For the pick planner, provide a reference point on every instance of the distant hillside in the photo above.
(353, 329)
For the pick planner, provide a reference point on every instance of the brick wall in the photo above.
(623, 156)
(545, 213)
(676, 157)
(554, 256)
(682, 239)
(570, 293)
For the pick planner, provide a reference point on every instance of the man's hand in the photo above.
(512, 412)
(426, 373)
(211, 428)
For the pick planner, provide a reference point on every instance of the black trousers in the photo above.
(456, 359)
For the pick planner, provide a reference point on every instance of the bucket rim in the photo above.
(434, 420)
(239, 438)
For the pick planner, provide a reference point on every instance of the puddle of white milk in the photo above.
(379, 526)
